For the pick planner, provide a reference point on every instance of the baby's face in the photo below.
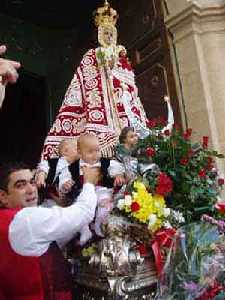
(69, 151)
(89, 151)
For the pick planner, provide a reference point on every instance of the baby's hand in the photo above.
(67, 186)
(40, 179)
(119, 180)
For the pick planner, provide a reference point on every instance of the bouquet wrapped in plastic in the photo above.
(195, 266)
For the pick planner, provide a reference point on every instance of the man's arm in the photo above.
(8, 73)
(8, 68)
(34, 229)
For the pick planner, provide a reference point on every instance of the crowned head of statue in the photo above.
(105, 19)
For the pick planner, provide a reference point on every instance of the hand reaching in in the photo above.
(8, 68)
(91, 175)
(67, 186)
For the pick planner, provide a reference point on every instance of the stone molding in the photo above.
(197, 28)
(200, 15)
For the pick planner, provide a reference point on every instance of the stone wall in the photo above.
(196, 29)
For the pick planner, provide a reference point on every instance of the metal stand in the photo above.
(117, 271)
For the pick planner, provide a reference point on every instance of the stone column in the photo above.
(197, 38)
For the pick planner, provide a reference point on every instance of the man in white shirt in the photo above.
(8, 73)
(30, 261)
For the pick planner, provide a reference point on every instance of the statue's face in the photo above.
(108, 36)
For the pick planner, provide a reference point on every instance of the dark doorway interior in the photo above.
(23, 120)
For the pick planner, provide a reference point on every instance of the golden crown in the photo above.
(105, 15)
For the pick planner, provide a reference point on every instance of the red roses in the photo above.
(164, 184)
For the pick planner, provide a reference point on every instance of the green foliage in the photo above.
(190, 166)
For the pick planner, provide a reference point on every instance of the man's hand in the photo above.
(2, 49)
(91, 175)
(8, 68)
(67, 186)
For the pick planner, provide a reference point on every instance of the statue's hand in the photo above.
(166, 98)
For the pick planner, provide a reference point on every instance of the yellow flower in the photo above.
(139, 185)
(159, 204)
(151, 206)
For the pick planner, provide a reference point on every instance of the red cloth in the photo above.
(22, 277)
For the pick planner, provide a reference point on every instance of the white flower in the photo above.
(128, 200)
(167, 225)
(181, 219)
(121, 204)
(166, 212)
(178, 216)
(152, 220)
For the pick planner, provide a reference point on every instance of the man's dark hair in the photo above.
(6, 170)
(124, 132)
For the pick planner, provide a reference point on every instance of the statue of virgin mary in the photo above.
(102, 97)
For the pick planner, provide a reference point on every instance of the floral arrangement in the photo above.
(188, 177)
(144, 207)
(176, 182)
(140, 205)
